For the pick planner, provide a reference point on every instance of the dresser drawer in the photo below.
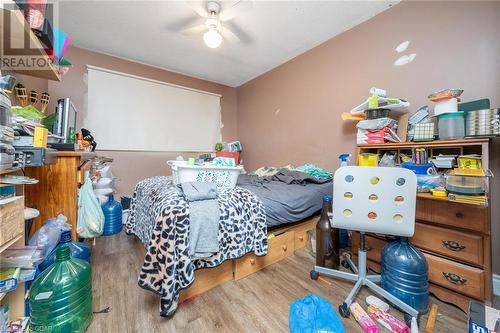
(301, 237)
(453, 244)
(279, 247)
(453, 214)
(455, 276)
(461, 278)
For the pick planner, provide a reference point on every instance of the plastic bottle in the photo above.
(112, 217)
(344, 159)
(405, 273)
(77, 249)
(327, 238)
(61, 297)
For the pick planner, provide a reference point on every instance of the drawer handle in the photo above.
(452, 245)
(301, 238)
(252, 261)
(284, 247)
(368, 248)
(454, 278)
(459, 215)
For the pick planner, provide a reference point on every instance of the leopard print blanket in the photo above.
(159, 217)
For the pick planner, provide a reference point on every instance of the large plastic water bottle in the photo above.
(405, 274)
(77, 249)
(61, 297)
(112, 217)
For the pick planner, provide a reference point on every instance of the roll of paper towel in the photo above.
(446, 106)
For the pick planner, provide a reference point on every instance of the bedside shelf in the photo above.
(18, 30)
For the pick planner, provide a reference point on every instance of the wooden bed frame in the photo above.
(282, 243)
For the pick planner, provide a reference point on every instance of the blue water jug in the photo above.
(112, 217)
(77, 250)
(405, 274)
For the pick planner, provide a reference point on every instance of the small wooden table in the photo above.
(57, 190)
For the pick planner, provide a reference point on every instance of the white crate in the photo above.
(224, 177)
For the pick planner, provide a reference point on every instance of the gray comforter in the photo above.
(286, 203)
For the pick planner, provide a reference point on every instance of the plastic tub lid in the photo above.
(451, 115)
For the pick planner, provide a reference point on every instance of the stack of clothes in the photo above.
(319, 175)
(289, 194)
(378, 128)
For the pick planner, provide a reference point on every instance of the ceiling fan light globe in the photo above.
(212, 39)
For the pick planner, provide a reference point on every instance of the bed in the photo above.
(286, 203)
(159, 217)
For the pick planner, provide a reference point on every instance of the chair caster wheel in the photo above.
(408, 319)
(314, 275)
(344, 310)
(345, 264)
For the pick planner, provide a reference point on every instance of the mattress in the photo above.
(286, 203)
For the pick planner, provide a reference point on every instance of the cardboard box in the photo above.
(482, 318)
(40, 137)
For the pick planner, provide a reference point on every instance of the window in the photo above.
(127, 112)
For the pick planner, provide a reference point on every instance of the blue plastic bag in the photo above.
(313, 314)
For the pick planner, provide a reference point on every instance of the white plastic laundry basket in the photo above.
(224, 177)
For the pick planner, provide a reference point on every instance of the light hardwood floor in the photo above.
(257, 303)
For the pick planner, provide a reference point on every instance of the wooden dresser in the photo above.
(455, 237)
(57, 190)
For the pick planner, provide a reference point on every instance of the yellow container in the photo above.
(368, 159)
(469, 162)
(40, 137)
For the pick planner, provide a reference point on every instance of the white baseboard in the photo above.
(496, 284)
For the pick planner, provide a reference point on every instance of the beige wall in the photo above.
(130, 167)
(292, 113)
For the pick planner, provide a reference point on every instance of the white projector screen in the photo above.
(126, 112)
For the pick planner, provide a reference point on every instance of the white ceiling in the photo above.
(277, 31)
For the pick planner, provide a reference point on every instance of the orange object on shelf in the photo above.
(443, 97)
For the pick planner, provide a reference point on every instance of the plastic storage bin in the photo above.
(405, 274)
(61, 297)
(78, 250)
(451, 126)
(419, 169)
(223, 177)
(471, 185)
(367, 159)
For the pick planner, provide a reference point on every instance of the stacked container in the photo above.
(482, 122)
(451, 126)
(61, 297)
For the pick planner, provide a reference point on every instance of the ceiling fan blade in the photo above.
(198, 6)
(229, 35)
(239, 7)
(194, 30)
(236, 30)
(184, 23)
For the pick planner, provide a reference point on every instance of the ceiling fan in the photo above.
(218, 24)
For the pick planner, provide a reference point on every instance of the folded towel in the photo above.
(204, 218)
(195, 191)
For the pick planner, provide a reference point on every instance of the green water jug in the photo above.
(61, 297)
